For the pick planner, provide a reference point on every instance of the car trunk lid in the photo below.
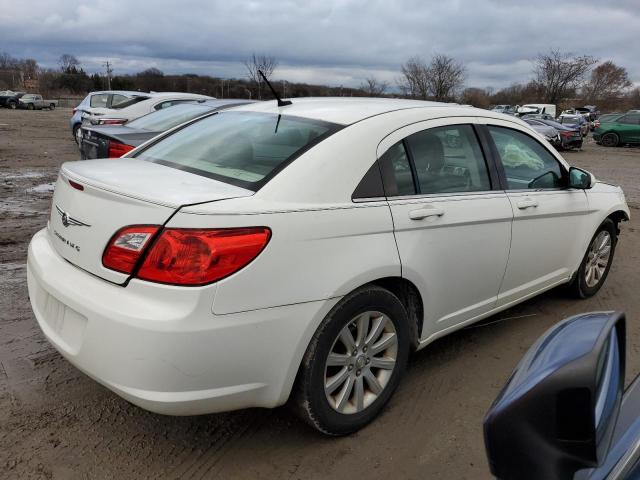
(94, 199)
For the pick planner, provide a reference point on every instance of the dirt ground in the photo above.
(57, 423)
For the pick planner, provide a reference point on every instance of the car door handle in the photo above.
(425, 212)
(527, 203)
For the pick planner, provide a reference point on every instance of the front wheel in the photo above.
(596, 263)
(610, 140)
(30, 106)
(13, 105)
(354, 362)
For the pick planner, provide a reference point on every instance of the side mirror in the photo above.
(581, 179)
(556, 414)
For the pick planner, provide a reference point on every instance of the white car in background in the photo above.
(305, 250)
(137, 106)
(111, 99)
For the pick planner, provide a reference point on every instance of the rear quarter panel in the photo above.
(315, 253)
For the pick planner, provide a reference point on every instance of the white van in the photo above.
(549, 109)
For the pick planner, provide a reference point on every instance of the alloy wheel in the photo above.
(360, 362)
(597, 259)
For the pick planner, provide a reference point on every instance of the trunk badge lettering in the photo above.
(68, 220)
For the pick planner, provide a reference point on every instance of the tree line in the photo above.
(557, 77)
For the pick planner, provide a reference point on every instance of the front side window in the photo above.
(630, 119)
(99, 101)
(240, 148)
(526, 163)
(448, 160)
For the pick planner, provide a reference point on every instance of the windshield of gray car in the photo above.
(241, 148)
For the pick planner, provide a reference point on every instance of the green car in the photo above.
(618, 130)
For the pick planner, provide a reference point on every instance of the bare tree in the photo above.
(7, 61)
(267, 64)
(374, 87)
(440, 80)
(559, 73)
(29, 68)
(415, 81)
(68, 63)
(446, 77)
(607, 80)
(476, 97)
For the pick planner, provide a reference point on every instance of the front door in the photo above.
(548, 217)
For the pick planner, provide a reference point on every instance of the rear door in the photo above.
(549, 219)
(452, 229)
(628, 126)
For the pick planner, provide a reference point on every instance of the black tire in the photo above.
(610, 139)
(13, 105)
(309, 399)
(52, 106)
(76, 127)
(30, 106)
(578, 286)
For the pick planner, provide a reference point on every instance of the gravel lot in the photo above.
(57, 423)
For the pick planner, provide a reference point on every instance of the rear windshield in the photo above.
(169, 117)
(240, 148)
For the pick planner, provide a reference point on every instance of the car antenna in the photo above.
(281, 103)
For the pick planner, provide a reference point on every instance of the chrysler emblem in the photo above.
(68, 220)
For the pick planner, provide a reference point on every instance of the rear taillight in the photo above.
(111, 121)
(566, 134)
(126, 246)
(118, 149)
(184, 256)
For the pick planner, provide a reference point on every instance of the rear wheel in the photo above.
(610, 140)
(596, 263)
(52, 106)
(354, 362)
(77, 133)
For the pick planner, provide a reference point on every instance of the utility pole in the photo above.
(107, 65)
(284, 88)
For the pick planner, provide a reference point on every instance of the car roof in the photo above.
(119, 92)
(161, 95)
(348, 110)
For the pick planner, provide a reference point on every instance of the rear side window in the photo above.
(396, 171)
(448, 160)
(240, 148)
(526, 163)
(99, 101)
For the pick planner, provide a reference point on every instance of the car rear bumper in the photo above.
(160, 346)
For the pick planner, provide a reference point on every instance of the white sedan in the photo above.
(135, 107)
(306, 250)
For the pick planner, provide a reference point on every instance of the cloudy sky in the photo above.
(337, 42)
